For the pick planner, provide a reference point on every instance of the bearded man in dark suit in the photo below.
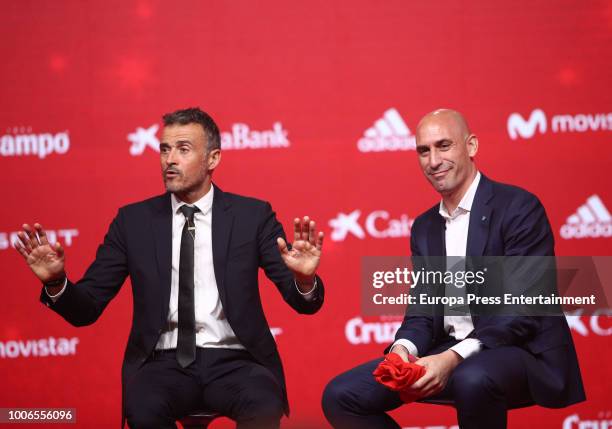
(199, 336)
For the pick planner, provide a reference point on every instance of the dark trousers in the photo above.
(483, 388)
(226, 381)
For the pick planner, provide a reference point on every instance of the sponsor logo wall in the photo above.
(537, 123)
(389, 133)
(357, 331)
(597, 324)
(23, 141)
(50, 346)
(377, 224)
(240, 137)
(591, 220)
(317, 116)
(575, 421)
(65, 236)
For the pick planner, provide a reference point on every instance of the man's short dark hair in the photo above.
(194, 115)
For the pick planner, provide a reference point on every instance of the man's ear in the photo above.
(213, 159)
(472, 145)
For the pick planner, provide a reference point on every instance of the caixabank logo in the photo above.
(377, 224)
(526, 127)
(598, 324)
(240, 137)
(591, 220)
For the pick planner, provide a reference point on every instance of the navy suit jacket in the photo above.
(139, 244)
(504, 221)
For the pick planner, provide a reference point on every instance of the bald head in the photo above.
(446, 149)
(447, 117)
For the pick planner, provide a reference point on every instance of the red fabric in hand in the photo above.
(397, 375)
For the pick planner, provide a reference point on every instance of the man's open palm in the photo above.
(44, 259)
(305, 254)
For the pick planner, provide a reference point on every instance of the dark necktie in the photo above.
(185, 348)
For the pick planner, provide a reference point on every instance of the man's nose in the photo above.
(434, 159)
(171, 157)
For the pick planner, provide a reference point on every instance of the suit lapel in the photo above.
(478, 235)
(222, 221)
(480, 219)
(162, 235)
(436, 242)
(436, 257)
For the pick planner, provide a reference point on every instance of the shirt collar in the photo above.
(204, 203)
(465, 205)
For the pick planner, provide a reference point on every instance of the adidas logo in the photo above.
(390, 133)
(591, 220)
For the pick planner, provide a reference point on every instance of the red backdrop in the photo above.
(318, 101)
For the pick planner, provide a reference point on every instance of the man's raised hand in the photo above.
(44, 259)
(305, 254)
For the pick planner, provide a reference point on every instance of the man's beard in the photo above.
(184, 188)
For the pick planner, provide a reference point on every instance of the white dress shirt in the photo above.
(456, 234)
(212, 328)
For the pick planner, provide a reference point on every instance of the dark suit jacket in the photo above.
(504, 221)
(139, 244)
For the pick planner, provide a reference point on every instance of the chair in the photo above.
(198, 419)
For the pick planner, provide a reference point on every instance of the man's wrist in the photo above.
(59, 281)
(56, 286)
(399, 348)
(305, 284)
(403, 352)
(409, 345)
(454, 357)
